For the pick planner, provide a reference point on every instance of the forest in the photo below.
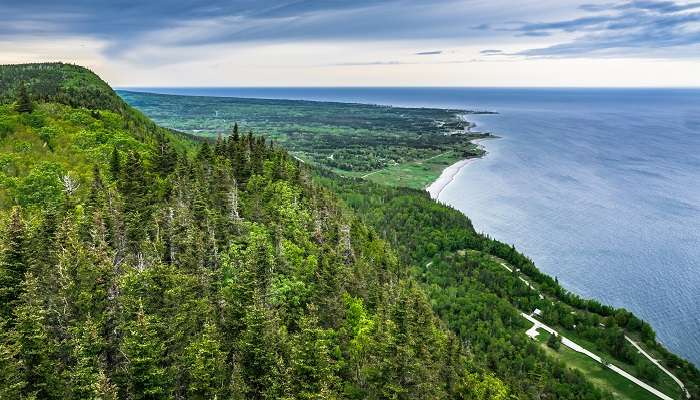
(350, 139)
(137, 262)
(480, 301)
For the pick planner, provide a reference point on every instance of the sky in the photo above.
(362, 42)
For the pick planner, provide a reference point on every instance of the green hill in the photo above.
(60, 83)
(139, 264)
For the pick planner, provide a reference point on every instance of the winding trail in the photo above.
(532, 333)
(661, 367)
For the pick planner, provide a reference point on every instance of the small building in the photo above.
(537, 312)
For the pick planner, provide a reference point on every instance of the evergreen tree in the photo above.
(235, 131)
(313, 368)
(220, 147)
(13, 265)
(87, 376)
(43, 243)
(24, 103)
(12, 381)
(143, 351)
(205, 154)
(36, 346)
(115, 163)
(165, 156)
(205, 365)
(257, 351)
(134, 189)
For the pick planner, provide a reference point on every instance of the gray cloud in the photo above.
(641, 28)
(198, 22)
(644, 28)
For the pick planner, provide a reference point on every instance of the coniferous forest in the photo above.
(137, 262)
(215, 271)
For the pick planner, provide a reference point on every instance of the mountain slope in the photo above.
(138, 264)
(465, 279)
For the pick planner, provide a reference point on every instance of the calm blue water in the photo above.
(601, 187)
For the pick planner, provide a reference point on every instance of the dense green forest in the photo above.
(139, 263)
(351, 139)
(480, 301)
(134, 266)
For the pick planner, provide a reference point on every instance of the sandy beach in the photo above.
(449, 173)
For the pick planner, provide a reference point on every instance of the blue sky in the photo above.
(362, 42)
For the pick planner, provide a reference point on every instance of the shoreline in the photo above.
(448, 174)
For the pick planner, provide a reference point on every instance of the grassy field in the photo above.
(391, 145)
(664, 382)
(415, 174)
(604, 378)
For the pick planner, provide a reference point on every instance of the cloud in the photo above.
(640, 28)
(166, 25)
(378, 63)
(367, 63)
(491, 52)
(165, 32)
(196, 22)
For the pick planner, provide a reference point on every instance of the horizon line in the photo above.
(121, 87)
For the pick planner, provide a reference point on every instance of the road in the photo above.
(523, 279)
(532, 332)
(661, 367)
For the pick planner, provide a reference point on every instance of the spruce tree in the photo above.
(206, 365)
(24, 103)
(235, 131)
(144, 353)
(165, 156)
(37, 347)
(133, 186)
(42, 248)
(13, 266)
(257, 351)
(12, 381)
(87, 376)
(220, 146)
(314, 371)
(115, 164)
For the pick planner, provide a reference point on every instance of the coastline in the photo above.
(448, 175)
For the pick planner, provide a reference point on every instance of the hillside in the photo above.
(463, 273)
(59, 83)
(137, 264)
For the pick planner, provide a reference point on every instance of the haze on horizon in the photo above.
(362, 43)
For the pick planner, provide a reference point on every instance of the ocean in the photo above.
(600, 187)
